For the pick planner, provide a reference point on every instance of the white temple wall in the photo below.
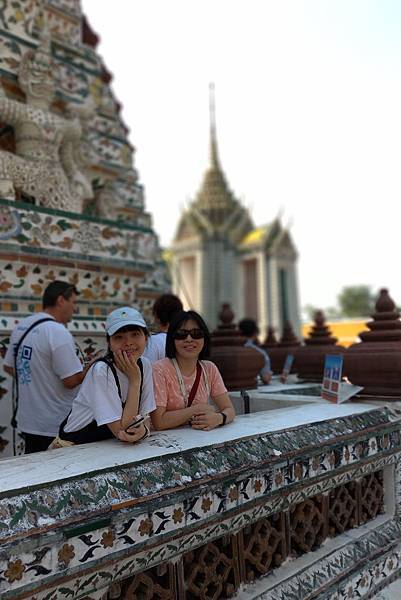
(217, 287)
(263, 284)
(250, 288)
(186, 273)
(287, 264)
(237, 300)
(274, 296)
(267, 301)
(294, 304)
(228, 289)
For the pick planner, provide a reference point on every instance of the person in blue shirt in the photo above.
(249, 330)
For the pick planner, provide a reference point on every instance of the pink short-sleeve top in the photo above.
(167, 388)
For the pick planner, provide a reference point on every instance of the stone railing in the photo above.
(203, 514)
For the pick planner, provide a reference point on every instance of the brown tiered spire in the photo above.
(215, 209)
(386, 324)
(288, 338)
(288, 344)
(239, 366)
(375, 363)
(270, 340)
(226, 333)
(320, 334)
(214, 199)
(311, 357)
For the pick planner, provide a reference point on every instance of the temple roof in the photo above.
(215, 210)
(271, 237)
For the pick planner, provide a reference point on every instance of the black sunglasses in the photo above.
(182, 334)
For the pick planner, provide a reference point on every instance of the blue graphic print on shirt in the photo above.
(24, 365)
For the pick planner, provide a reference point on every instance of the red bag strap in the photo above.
(195, 384)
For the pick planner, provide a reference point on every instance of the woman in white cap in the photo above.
(117, 391)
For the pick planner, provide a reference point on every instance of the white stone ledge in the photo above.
(22, 472)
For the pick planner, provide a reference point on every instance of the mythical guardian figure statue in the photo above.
(48, 157)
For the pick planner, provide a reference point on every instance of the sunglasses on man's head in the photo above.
(182, 334)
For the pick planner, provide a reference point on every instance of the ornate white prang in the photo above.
(47, 162)
(118, 195)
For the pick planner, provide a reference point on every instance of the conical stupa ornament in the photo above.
(310, 358)
(239, 366)
(288, 339)
(270, 340)
(288, 344)
(375, 363)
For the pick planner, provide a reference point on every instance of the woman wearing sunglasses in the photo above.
(184, 381)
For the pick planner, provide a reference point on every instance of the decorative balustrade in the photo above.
(206, 514)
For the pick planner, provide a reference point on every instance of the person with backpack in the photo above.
(184, 381)
(43, 360)
(117, 393)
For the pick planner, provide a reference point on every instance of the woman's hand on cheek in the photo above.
(128, 364)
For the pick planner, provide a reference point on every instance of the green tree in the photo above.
(356, 301)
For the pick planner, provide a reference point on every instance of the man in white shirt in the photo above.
(47, 365)
(164, 309)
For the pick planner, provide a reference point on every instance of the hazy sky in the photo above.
(308, 97)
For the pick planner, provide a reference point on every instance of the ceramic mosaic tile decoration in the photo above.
(285, 505)
(204, 517)
(71, 201)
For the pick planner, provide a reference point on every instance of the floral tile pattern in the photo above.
(64, 500)
(360, 583)
(87, 547)
(198, 516)
(95, 288)
(76, 235)
(74, 537)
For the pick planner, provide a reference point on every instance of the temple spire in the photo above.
(214, 157)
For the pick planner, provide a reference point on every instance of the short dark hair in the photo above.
(56, 289)
(248, 327)
(165, 307)
(176, 323)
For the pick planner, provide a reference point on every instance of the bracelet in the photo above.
(146, 434)
(224, 419)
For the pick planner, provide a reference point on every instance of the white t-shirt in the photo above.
(98, 397)
(156, 347)
(46, 356)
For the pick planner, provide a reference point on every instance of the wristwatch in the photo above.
(224, 419)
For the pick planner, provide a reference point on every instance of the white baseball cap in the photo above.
(121, 317)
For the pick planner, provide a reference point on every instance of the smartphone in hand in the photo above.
(138, 420)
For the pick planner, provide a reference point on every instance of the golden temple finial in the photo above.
(214, 157)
